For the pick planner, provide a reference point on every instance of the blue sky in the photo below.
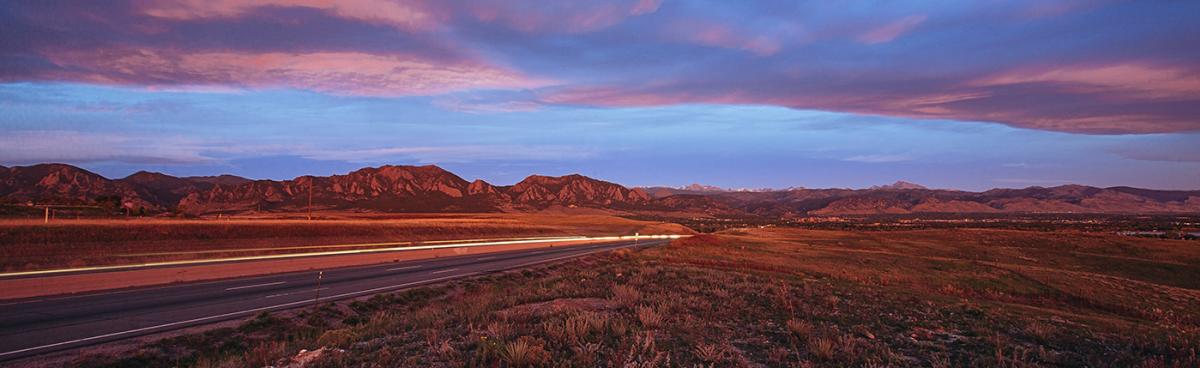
(745, 95)
(281, 134)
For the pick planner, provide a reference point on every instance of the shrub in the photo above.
(499, 329)
(821, 347)
(261, 321)
(799, 327)
(576, 328)
(586, 354)
(266, 353)
(622, 253)
(618, 327)
(649, 317)
(626, 295)
(341, 337)
(708, 353)
(525, 351)
(444, 348)
(555, 331)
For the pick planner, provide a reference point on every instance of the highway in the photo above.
(50, 324)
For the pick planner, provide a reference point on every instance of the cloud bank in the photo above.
(1081, 67)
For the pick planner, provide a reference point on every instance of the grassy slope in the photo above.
(771, 297)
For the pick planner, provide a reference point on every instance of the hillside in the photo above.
(430, 188)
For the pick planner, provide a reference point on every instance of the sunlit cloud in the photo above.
(568, 17)
(723, 36)
(892, 30)
(638, 86)
(403, 14)
(333, 72)
(1133, 80)
(818, 56)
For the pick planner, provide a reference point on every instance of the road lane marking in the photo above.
(552, 259)
(254, 286)
(193, 284)
(403, 268)
(332, 253)
(327, 253)
(443, 271)
(577, 255)
(230, 314)
(286, 294)
(485, 258)
(359, 245)
(22, 302)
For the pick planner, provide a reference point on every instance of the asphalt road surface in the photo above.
(49, 324)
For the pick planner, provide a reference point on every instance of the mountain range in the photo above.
(432, 189)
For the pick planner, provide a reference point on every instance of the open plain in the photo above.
(758, 297)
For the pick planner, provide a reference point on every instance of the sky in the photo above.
(741, 94)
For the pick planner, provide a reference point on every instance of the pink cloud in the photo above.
(569, 17)
(1032, 109)
(722, 36)
(1043, 78)
(889, 31)
(406, 15)
(1131, 79)
(1025, 107)
(333, 72)
(645, 7)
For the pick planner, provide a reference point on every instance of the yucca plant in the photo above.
(649, 317)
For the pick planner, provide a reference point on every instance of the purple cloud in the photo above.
(1082, 67)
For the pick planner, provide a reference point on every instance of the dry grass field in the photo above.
(32, 245)
(762, 297)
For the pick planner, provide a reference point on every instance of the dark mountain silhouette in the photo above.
(162, 188)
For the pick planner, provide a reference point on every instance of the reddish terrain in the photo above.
(760, 297)
(432, 189)
(32, 245)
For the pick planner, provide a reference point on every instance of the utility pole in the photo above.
(310, 191)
